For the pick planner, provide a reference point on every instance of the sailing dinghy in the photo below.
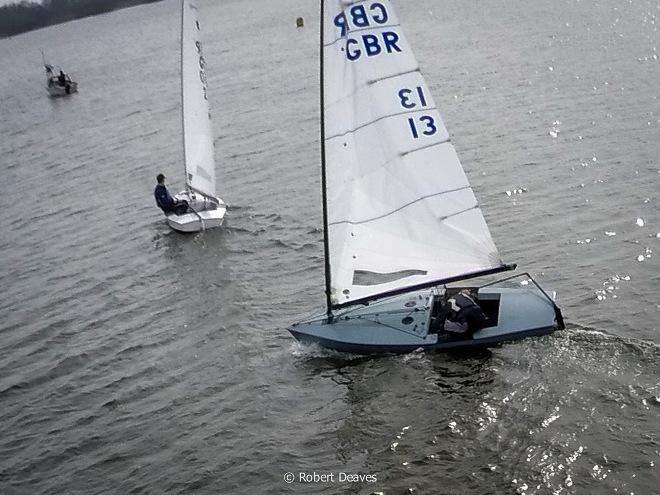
(400, 218)
(59, 84)
(205, 209)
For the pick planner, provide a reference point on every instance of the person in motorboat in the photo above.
(165, 201)
(62, 78)
(463, 314)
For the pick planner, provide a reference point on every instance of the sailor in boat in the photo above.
(462, 315)
(165, 201)
(62, 78)
(49, 74)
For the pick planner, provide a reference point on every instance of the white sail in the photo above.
(401, 212)
(197, 134)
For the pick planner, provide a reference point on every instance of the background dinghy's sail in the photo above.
(197, 133)
(199, 165)
(399, 213)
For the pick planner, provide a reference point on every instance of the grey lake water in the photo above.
(137, 360)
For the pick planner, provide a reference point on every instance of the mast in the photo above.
(326, 246)
(183, 124)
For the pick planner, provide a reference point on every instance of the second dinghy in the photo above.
(205, 210)
(59, 84)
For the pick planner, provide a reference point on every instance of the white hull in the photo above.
(206, 214)
(196, 222)
(57, 90)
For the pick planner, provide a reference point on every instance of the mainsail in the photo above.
(197, 135)
(400, 210)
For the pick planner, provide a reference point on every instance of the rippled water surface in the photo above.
(137, 360)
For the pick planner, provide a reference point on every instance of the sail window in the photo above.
(365, 277)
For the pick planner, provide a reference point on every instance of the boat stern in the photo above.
(207, 213)
(521, 313)
(197, 221)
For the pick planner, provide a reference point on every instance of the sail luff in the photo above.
(324, 196)
(183, 102)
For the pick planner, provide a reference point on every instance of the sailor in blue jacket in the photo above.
(165, 201)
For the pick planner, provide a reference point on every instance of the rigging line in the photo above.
(442, 219)
(212, 199)
(374, 318)
(398, 114)
(394, 328)
(368, 28)
(201, 220)
(558, 314)
(349, 310)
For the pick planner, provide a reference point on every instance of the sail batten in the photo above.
(374, 81)
(400, 210)
(355, 222)
(377, 120)
(199, 162)
(448, 140)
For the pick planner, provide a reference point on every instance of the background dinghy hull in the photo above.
(190, 222)
(61, 91)
(210, 212)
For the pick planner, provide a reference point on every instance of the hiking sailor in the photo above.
(165, 201)
(464, 316)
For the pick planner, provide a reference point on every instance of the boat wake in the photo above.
(585, 334)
